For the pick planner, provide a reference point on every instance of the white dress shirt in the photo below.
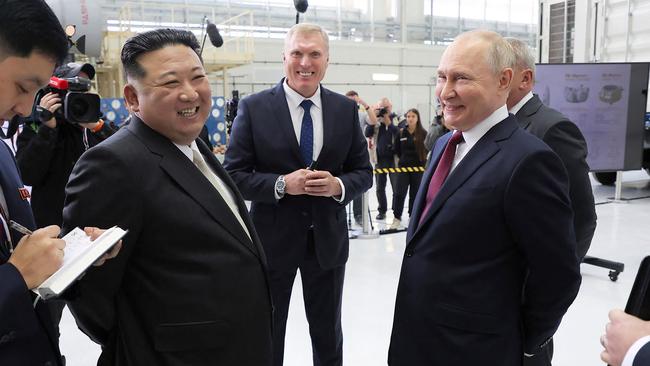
(471, 136)
(293, 101)
(225, 191)
(634, 349)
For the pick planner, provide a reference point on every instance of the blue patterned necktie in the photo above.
(307, 133)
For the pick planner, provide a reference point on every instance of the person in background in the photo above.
(384, 135)
(47, 151)
(366, 117)
(411, 153)
(436, 129)
(626, 341)
(562, 136)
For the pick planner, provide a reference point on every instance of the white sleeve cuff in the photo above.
(340, 199)
(634, 349)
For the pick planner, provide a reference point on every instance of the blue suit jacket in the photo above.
(642, 358)
(27, 335)
(499, 231)
(263, 145)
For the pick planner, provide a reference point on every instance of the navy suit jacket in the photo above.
(499, 231)
(189, 286)
(27, 334)
(566, 140)
(642, 358)
(263, 145)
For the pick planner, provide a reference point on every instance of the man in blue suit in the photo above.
(298, 212)
(27, 60)
(490, 265)
(626, 340)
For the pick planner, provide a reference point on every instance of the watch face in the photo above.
(279, 185)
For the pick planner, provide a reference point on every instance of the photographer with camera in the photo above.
(386, 134)
(52, 142)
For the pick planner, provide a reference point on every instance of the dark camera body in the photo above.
(382, 111)
(78, 106)
(231, 110)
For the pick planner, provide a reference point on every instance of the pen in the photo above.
(19, 228)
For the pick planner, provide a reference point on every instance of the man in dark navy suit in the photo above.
(297, 152)
(32, 42)
(626, 341)
(490, 265)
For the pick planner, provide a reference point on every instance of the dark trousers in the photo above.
(322, 293)
(406, 182)
(357, 206)
(56, 311)
(381, 184)
(542, 358)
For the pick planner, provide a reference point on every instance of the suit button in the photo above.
(304, 213)
(409, 253)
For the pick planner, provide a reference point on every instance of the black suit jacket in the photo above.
(189, 286)
(642, 358)
(263, 145)
(566, 140)
(499, 230)
(27, 335)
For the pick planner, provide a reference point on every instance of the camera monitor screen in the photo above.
(607, 101)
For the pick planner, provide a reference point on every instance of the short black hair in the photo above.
(30, 25)
(151, 41)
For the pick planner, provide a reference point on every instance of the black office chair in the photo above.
(615, 267)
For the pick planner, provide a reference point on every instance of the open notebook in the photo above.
(79, 254)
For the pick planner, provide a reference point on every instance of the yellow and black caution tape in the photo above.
(411, 169)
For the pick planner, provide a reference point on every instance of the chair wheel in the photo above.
(613, 275)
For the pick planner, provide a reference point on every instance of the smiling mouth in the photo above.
(188, 112)
(305, 74)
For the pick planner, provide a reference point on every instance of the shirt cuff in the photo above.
(631, 353)
(342, 197)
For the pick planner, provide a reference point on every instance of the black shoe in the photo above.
(380, 216)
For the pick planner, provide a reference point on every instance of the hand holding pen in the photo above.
(37, 255)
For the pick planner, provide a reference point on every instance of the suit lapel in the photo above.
(420, 198)
(528, 109)
(253, 243)
(191, 180)
(280, 108)
(329, 124)
(18, 208)
(484, 149)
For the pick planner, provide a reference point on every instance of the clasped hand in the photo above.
(314, 183)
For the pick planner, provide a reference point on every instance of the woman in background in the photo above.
(412, 154)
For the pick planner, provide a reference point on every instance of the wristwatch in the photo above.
(280, 186)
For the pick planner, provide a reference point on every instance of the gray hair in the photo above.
(524, 58)
(307, 28)
(499, 52)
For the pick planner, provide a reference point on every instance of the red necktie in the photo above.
(442, 171)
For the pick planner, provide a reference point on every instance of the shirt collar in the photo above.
(187, 149)
(294, 99)
(515, 108)
(475, 133)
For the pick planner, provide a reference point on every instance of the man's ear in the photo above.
(131, 97)
(527, 78)
(505, 79)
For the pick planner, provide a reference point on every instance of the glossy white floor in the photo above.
(623, 234)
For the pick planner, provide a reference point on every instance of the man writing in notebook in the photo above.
(190, 285)
(27, 335)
